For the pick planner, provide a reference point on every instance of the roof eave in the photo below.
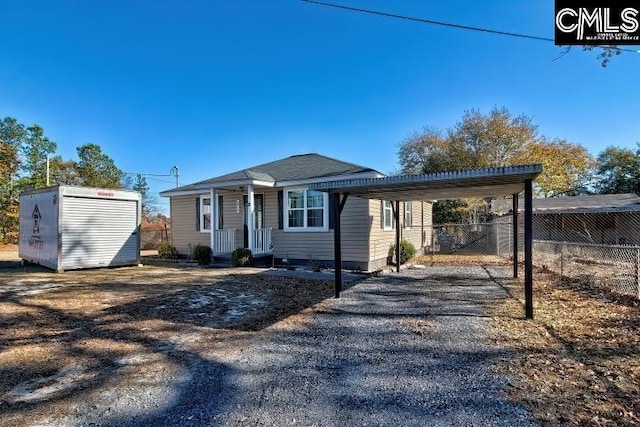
(469, 183)
(203, 187)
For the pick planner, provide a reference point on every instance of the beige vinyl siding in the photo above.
(183, 224)
(380, 239)
(355, 223)
(419, 234)
(183, 220)
(271, 208)
(364, 242)
(318, 246)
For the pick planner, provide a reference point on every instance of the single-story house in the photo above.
(269, 209)
(612, 219)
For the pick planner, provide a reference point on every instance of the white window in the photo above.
(306, 210)
(407, 215)
(205, 213)
(387, 215)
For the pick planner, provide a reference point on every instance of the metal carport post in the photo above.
(528, 248)
(514, 202)
(337, 205)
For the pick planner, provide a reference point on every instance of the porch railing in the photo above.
(262, 241)
(225, 240)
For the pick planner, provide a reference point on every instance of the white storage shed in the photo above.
(66, 227)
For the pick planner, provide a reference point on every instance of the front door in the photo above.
(258, 217)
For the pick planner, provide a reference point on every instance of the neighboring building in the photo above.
(289, 221)
(602, 219)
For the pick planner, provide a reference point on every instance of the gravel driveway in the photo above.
(404, 349)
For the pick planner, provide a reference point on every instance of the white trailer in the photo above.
(66, 228)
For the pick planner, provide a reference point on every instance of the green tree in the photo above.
(35, 149)
(476, 141)
(618, 171)
(64, 172)
(490, 140)
(147, 200)
(564, 166)
(97, 169)
(495, 139)
(12, 135)
(426, 152)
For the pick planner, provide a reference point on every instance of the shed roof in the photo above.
(497, 181)
(600, 203)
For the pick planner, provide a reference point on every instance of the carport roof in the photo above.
(499, 181)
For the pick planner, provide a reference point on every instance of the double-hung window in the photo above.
(205, 213)
(306, 210)
(407, 215)
(387, 215)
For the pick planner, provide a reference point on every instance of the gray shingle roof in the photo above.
(295, 168)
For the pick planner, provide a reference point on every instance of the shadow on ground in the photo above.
(140, 346)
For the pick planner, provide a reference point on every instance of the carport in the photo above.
(500, 181)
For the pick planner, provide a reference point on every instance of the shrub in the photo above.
(167, 250)
(242, 257)
(407, 251)
(203, 254)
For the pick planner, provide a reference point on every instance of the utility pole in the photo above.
(48, 161)
(175, 171)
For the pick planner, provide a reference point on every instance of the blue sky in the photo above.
(216, 86)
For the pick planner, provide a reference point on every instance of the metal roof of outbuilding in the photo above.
(496, 181)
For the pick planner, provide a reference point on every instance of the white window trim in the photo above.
(204, 197)
(305, 229)
(407, 224)
(384, 213)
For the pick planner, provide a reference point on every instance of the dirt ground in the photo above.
(71, 340)
(578, 362)
(9, 253)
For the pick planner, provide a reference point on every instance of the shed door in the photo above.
(98, 232)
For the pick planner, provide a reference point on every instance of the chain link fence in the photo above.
(615, 267)
(596, 248)
(467, 238)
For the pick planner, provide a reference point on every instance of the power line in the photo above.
(173, 172)
(449, 24)
(160, 180)
(148, 174)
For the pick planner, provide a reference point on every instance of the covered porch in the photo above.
(250, 232)
(227, 240)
